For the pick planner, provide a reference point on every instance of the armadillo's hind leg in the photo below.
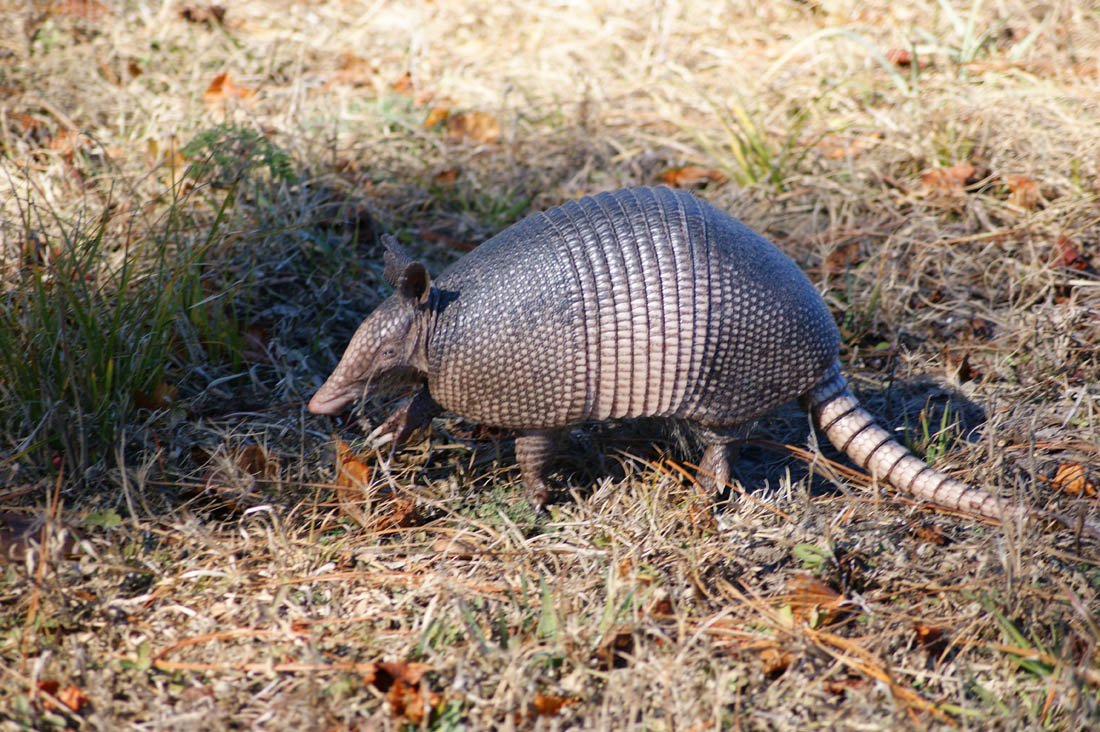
(534, 451)
(722, 447)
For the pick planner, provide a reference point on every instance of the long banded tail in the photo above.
(854, 432)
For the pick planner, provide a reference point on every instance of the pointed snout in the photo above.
(330, 399)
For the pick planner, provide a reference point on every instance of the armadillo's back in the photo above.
(638, 302)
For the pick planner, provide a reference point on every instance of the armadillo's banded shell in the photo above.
(644, 301)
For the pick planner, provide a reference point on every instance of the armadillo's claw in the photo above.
(381, 435)
(413, 414)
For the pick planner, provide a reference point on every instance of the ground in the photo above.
(190, 201)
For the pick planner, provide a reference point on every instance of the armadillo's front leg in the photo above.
(534, 451)
(409, 417)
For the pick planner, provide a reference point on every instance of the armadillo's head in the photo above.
(388, 346)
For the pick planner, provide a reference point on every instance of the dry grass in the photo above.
(190, 562)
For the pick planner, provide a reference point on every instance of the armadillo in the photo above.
(638, 302)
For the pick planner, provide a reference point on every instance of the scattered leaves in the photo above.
(692, 176)
(223, 91)
(1023, 192)
(1073, 479)
(480, 127)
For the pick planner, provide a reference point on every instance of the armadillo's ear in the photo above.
(414, 283)
(395, 258)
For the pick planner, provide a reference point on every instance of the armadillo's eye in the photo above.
(389, 352)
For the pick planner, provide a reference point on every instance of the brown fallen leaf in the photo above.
(840, 686)
(951, 180)
(17, 532)
(73, 697)
(457, 548)
(256, 345)
(436, 117)
(232, 478)
(479, 127)
(448, 241)
(812, 601)
(692, 176)
(1070, 256)
(351, 472)
(204, 14)
(29, 126)
(223, 91)
(1073, 479)
(446, 176)
(843, 257)
(162, 396)
(68, 143)
(774, 661)
(840, 147)
(929, 533)
(615, 650)
(401, 683)
(78, 9)
(960, 364)
(928, 634)
(353, 70)
(1023, 192)
(403, 84)
(549, 705)
(255, 460)
(899, 56)
(353, 478)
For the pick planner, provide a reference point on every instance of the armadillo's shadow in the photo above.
(924, 415)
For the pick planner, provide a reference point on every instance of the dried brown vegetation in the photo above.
(189, 197)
